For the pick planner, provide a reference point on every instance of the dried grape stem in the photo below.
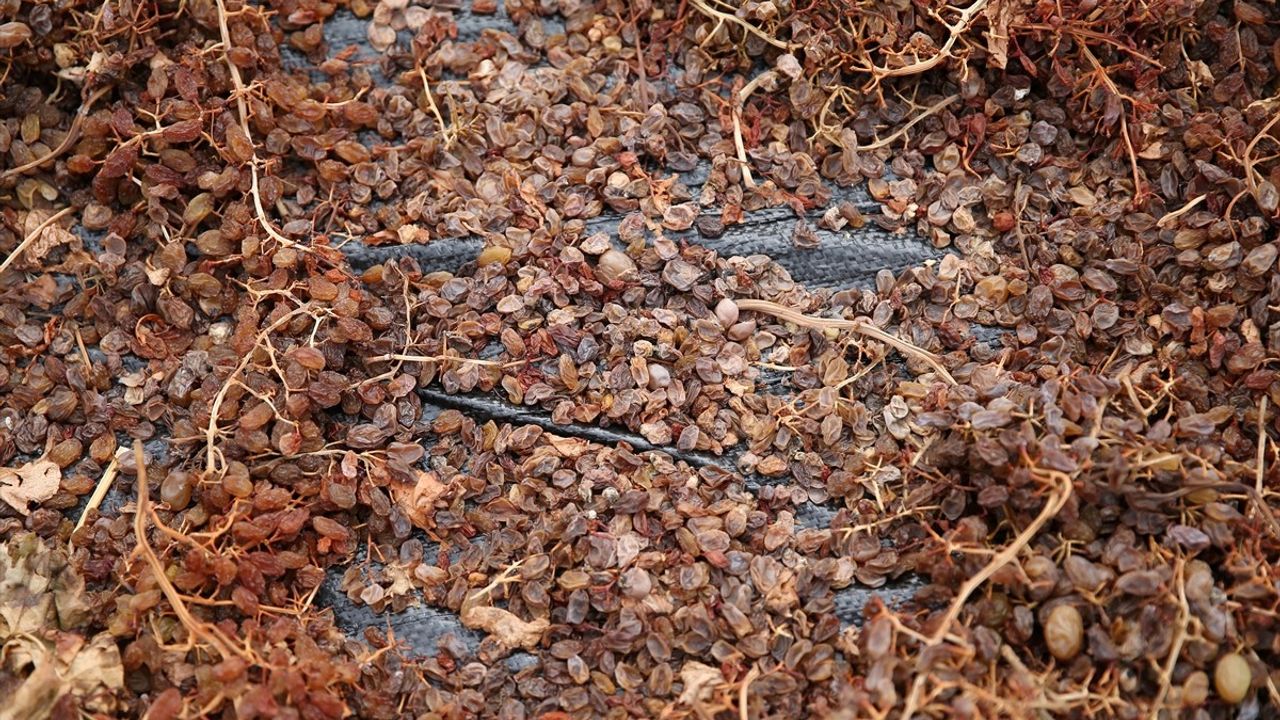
(1249, 172)
(1272, 690)
(960, 27)
(435, 109)
(73, 133)
(100, 491)
(858, 326)
(1004, 557)
(443, 358)
(1167, 219)
(905, 128)
(243, 111)
(726, 17)
(739, 100)
(198, 629)
(1258, 492)
(31, 237)
(1260, 470)
(1008, 554)
(752, 674)
(1106, 80)
(1179, 638)
(1080, 32)
(475, 597)
(211, 431)
(1138, 189)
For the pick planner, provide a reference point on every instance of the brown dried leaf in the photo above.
(49, 240)
(38, 588)
(569, 447)
(998, 15)
(700, 682)
(417, 500)
(72, 666)
(504, 626)
(36, 482)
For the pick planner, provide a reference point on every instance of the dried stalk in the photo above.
(100, 490)
(1004, 557)
(73, 134)
(1167, 219)
(857, 326)
(446, 133)
(740, 99)
(443, 358)
(211, 431)
(1009, 553)
(726, 17)
(203, 631)
(1101, 73)
(1247, 159)
(1272, 691)
(955, 31)
(1179, 638)
(752, 674)
(242, 110)
(910, 124)
(1260, 470)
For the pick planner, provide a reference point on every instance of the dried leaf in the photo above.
(39, 590)
(90, 671)
(998, 15)
(1154, 151)
(417, 501)
(36, 482)
(569, 447)
(49, 238)
(700, 682)
(504, 626)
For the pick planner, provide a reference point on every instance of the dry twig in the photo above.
(1247, 159)
(711, 12)
(211, 431)
(100, 490)
(766, 77)
(954, 32)
(199, 630)
(449, 134)
(73, 134)
(857, 326)
(1051, 509)
(242, 111)
(902, 131)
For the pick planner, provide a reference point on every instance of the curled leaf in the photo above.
(700, 682)
(417, 500)
(34, 482)
(88, 670)
(504, 626)
(998, 15)
(42, 604)
(39, 589)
